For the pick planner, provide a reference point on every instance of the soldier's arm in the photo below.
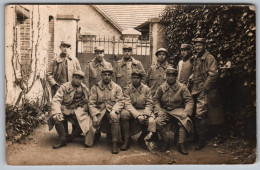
(128, 103)
(144, 78)
(119, 100)
(149, 70)
(148, 102)
(77, 64)
(156, 100)
(86, 81)
(212, 73)
(92, 103)
(57, 101)
(50, 73)
(188, 101)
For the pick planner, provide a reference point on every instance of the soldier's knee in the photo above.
(125, 115)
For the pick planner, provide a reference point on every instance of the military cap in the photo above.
(107, 68)
(201, 40)
(161, 49)
(186, 46)
(79, 73)
(171, 70)
(99, 48)
(137, 72)
(127, 46)
(65, 43)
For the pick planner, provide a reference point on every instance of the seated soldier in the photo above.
(137, 114)
(106, 101)
(173, 104)
(71, 103)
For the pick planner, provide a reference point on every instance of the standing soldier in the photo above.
(173, 103)
(126, 65)
(205, 93)
(156, 72)
(93, 73)
(185, 65)
(71, 103)
(106, 101)
(95, 66)
(137, 114)
(60, 71)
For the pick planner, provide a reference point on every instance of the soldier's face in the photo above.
(185, 53)
(199, 47)
(106, 77)
(127, 52)
(64, 49)
(161, 56)
(136, 80)
(77, 80)
(171, 78)
(99, 55)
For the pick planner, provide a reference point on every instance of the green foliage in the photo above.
(21, 120)
(230, 31)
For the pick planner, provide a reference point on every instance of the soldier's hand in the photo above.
(95, 122)
(183, 115)
(113, 115)
(57, 117)
(141, 118)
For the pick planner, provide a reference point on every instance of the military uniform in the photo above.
(60, 71)
(93, 69)
(171, 104)
(204, 90)
(156, 73)
(124, 69)
(70, 103)
(185, 66)
(138, 102)
(103, 100)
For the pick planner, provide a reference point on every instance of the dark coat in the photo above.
(210, 76)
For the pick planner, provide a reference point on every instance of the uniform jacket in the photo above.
(210, 76)
(208, 70)
(63, 99)
(156, 76)
(54, 69)
(93, 71)
(136, 99)
(105, 98)
(122, 78)
(175, 100)
(188, 72)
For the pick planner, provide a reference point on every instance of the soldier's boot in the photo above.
(165, 141)
(182, 136)
(126, 133)
(74, 133)
(114, 134)
(141, 140)
(218, 135)
(201, 143)
(62, 137)
(65, 125)
(97, 137)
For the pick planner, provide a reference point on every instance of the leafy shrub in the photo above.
(21, 120)
(230, 31)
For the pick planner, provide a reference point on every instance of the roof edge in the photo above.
(104, 14)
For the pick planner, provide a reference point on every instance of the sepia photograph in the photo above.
(130, 84)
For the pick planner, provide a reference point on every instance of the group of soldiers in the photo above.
(123, 100)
